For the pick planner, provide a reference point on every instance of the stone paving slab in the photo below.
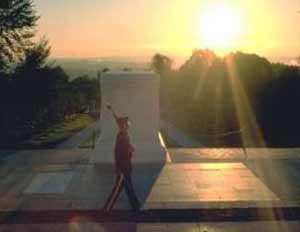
(52, 182)
(188, 155)
(75, 226)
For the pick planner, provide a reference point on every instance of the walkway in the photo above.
(76, 139)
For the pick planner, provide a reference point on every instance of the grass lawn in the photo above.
(59, 132)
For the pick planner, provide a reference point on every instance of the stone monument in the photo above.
(135, 95)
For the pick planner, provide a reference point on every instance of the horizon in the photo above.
(174, 28)
(177, 60)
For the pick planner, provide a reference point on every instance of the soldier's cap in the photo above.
(123, 120)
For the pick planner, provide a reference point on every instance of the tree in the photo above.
(86, 93)
(33, 94)
(195, 74)
(35, 57)
(161, 64)
(298, 60)
(205, 91)
(254, 73)
(17, 19)
(280, 111)
(4, 4)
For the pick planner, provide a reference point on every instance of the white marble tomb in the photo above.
(135, 95)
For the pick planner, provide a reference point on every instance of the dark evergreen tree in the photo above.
(17, 21)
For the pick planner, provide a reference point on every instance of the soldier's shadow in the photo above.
(144, 179)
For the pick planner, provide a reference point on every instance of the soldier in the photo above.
(123, 154)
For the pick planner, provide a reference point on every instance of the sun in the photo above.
(220, 27)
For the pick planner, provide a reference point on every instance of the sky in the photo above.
(99, 28)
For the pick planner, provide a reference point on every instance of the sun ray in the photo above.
(252, 135)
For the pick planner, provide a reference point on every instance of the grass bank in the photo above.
(60, 132)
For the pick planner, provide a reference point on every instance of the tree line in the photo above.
(245, 93)
(34, 94)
